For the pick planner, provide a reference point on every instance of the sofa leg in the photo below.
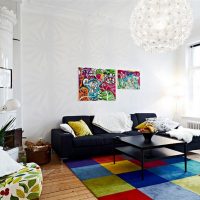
(52, 151)
(63, 159)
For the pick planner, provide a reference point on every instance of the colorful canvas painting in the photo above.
(97, 84)
(128, 79)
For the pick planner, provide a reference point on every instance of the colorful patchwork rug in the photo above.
(163, 179)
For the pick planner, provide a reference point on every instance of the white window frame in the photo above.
(190, 70)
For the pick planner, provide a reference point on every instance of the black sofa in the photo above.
(194, 145)
(101, 142)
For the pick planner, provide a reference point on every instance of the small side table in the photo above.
(14, 152)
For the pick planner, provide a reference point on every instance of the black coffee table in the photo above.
(144, 152)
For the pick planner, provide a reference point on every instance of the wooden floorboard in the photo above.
(60, 183)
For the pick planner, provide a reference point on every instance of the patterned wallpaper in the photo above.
(56, 41)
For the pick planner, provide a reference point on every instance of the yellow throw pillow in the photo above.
(80, 128)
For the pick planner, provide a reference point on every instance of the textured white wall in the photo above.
(56, 41)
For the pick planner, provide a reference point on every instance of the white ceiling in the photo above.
(103, 7)
(108, 8)
(116, 12)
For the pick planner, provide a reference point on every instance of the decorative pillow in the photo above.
(67, 128)
(172, 124)
(8, 165)
(80, 128)
(163, 124)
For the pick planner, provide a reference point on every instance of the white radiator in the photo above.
(193, 124)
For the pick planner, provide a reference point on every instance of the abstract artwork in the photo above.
(97, 84)
(128, 79)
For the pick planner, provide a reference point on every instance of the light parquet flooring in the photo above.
(60, 183)
(195, 155)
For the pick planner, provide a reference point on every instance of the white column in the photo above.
(7, 21)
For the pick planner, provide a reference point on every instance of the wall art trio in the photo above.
(100, 84)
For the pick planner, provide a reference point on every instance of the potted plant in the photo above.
(3, 130)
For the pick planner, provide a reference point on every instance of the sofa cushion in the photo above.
(96, 129)
(196, 139)
(86, 119)
(135, 121)
(100, 139)
(141, 117)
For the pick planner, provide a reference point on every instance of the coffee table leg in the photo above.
(142, 162)
(114, 156)
(185, 156)
(113, 151)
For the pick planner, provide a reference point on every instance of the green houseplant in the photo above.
(3, 130)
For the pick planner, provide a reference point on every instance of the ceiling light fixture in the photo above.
(161, 25)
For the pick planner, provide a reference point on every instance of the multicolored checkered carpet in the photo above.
(164, 179)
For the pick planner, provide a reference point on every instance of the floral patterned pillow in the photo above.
(163, 124)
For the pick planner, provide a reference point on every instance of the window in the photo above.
(194, 80)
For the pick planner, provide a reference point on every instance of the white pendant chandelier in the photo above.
(161, 25)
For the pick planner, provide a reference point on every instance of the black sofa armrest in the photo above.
(61, 143)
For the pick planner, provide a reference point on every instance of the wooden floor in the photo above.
(61, 183)
(195, 155)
